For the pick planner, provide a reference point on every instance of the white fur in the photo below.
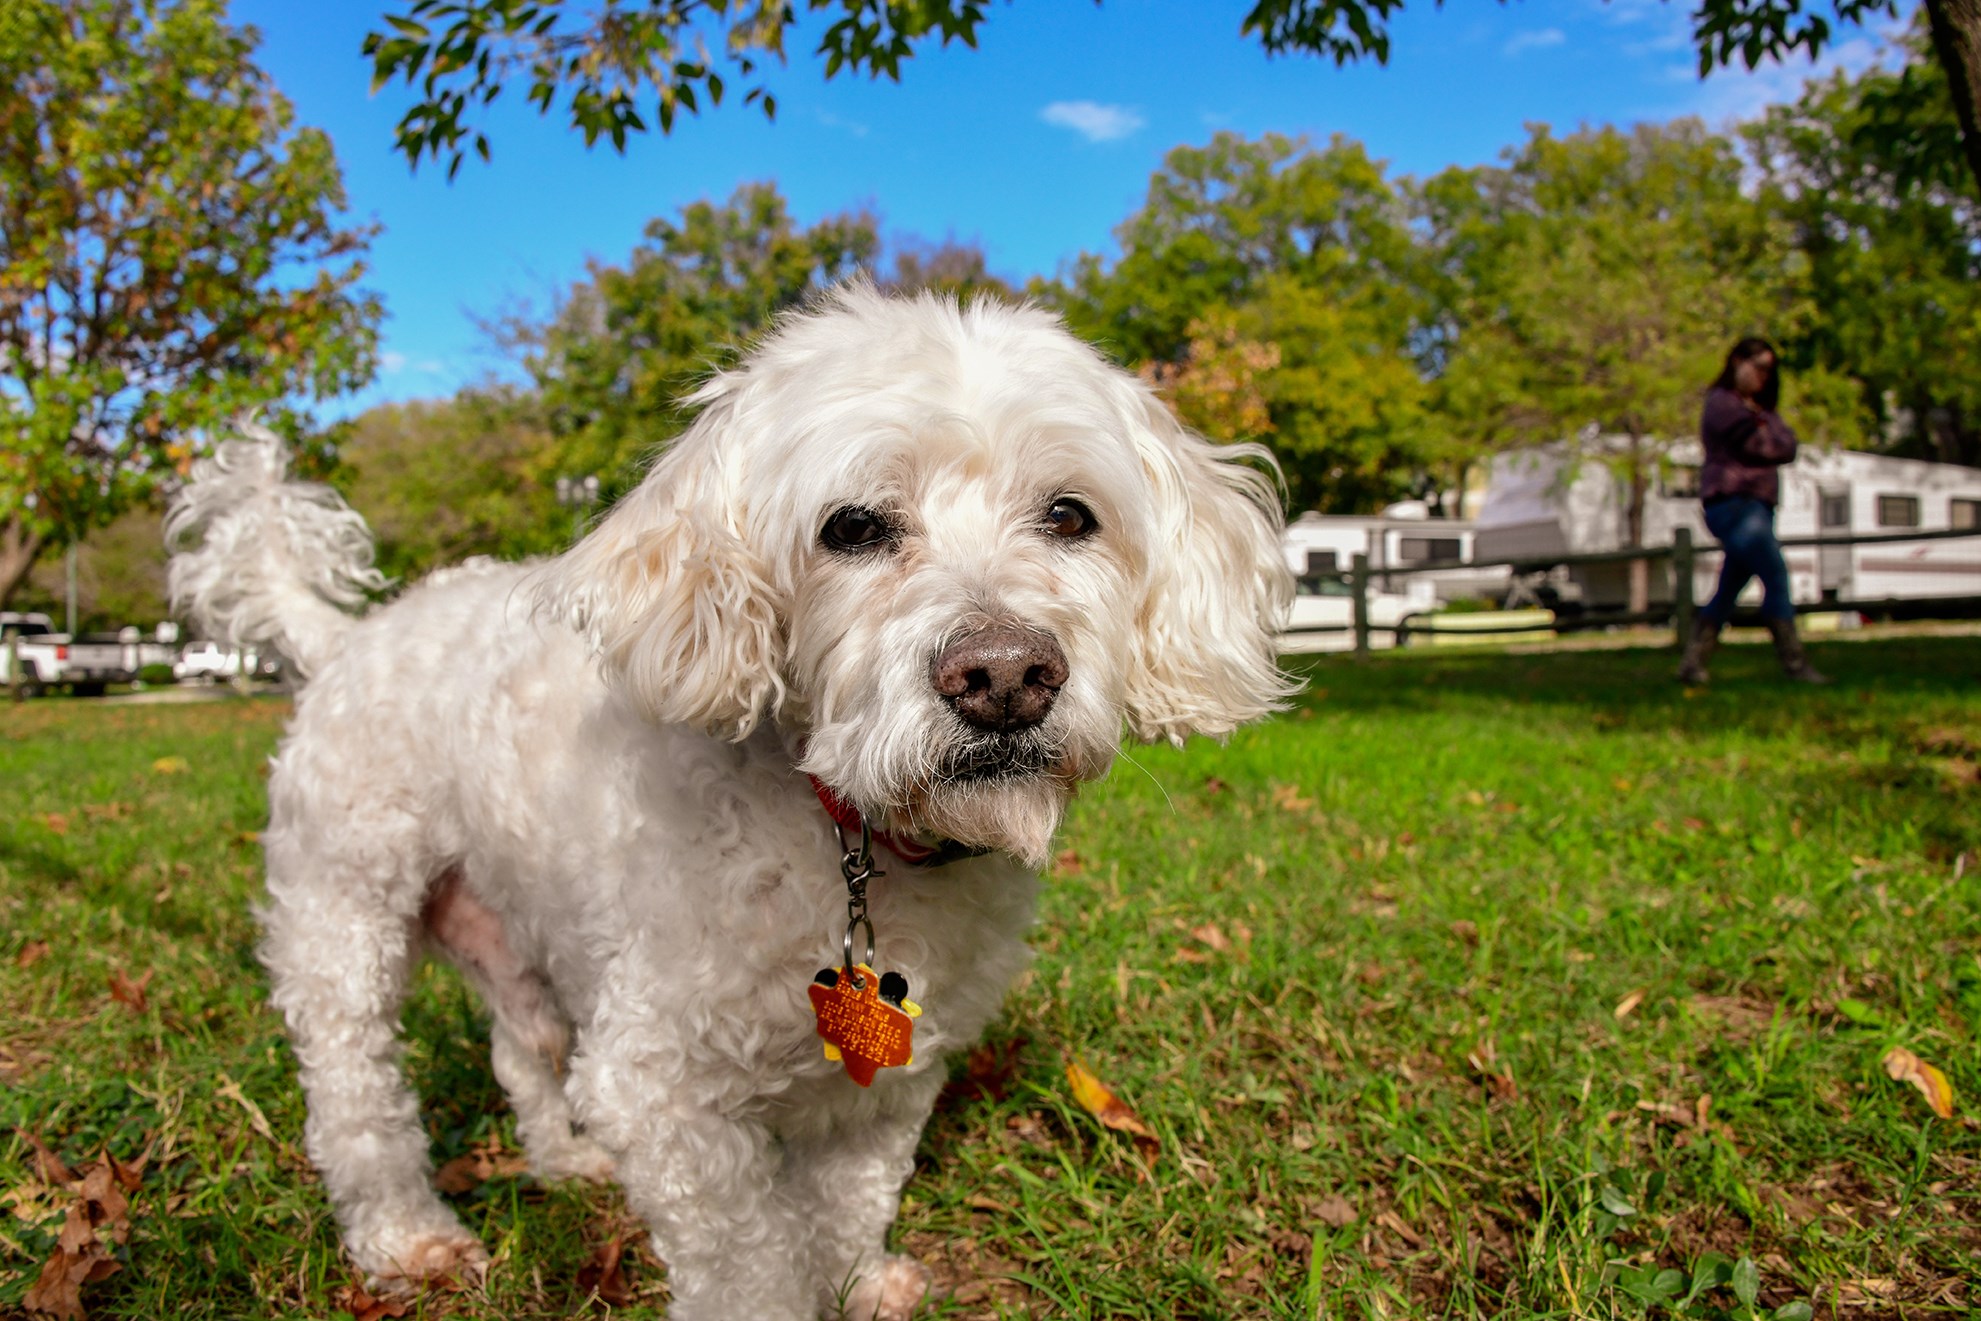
(628, 796)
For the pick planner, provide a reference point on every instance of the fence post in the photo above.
(1358, 580)
(1681, 583)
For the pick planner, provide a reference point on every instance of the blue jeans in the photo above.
(1746, 531)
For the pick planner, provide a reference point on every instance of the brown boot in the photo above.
(1698, 651)
(1788, 650)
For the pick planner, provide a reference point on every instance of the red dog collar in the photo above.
(847, 817)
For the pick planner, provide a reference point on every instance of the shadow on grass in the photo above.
(1635, 687)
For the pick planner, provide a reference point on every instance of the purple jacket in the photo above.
(1745, 448)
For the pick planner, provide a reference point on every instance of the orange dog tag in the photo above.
(866, 1020)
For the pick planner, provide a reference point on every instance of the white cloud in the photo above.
(853, 126)
(1092, 120)
(1538, 39)
(391, 363)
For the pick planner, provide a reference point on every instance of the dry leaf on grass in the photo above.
(1902, 1065)
(600, 1276)
(170, 766)
(130, 993)
(1287, 798)
(1213, 785)
(31, 953)
(99, 1217)
(366, 1306)
(484, 1161)
(1334, 1211)
(1466, 930)
(56, 822)
(1628, 1005)
(1067, 863)
(1097, 1100)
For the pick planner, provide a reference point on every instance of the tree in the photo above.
(1272, 287)
(1608, 272)
(440, 480)
(171, 257)
(1891, 234)
(613, 361)
(462, 52)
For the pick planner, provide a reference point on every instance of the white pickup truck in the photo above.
(43, 658)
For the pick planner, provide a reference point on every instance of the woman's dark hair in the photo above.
(1754, 346)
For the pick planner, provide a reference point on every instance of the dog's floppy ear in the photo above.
(1218, 585)
(681, 612)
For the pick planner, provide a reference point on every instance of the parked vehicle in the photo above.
(38, 653)
(1541, 505)
(1322, 616)
(209, 662)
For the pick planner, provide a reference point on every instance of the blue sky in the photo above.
(1035, 145)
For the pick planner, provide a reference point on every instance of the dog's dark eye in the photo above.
(854, 528)
(1070, 519)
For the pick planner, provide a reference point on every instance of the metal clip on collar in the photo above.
(857, 866)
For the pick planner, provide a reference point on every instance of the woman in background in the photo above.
(1740, 482)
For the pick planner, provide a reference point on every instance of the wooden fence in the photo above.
(1679, 613)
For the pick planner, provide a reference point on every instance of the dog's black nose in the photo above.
(1001, 679)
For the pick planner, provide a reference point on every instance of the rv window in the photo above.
(1836, 510)
(1966, 514)
(1682, 481)
(1416, 550)
(1898, 511)
(1323, 561)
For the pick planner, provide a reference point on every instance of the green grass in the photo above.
(1405, 1090)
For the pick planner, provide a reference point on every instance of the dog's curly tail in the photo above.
(260, 560)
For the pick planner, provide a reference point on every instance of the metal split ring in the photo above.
(851, 927)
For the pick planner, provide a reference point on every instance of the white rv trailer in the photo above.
(1402, 536)
(1541, 505)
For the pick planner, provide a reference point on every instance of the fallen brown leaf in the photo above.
(600, 1276)
(130, 993)
(1335, 1211)
(366, 1306)
(56, 822)
(484, 1161)
(1188, 955)
(1098, 1100)
(48, 1167)
(1067, 863)
(1287, 798)
(98, 1217)
(1902, 1065)
(1466, 930)
(1213, 785)
(1628, 1005)
(1213, 935)
(31, 953)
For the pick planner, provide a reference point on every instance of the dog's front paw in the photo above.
(403, 1266)
(892, 1294)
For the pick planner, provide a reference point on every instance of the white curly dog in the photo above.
(916, 561)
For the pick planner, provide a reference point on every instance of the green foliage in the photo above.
(613, 362)
(442, 480)
(1267, 281)
(1890, 231)
(462, 52)
(173, 256)
(1431, 860)
(603, 57)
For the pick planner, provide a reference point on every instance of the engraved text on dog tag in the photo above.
(866, 1020)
